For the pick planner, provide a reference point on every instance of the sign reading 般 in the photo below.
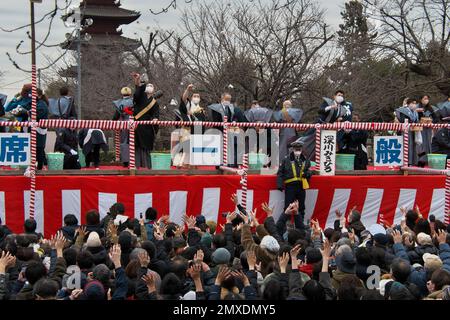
(388, 151)
(14, 149)
(328, 153)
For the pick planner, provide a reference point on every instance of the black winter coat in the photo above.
(145, 135)
(415, 255)
(285, 169)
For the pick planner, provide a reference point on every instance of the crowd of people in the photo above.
(119, 258)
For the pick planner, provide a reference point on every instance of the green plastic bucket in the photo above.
(55, 161)
(437, 161)
(161, 161)
(256, 160)
(345, 162)
(81, 158)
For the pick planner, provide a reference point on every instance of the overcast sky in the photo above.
(16, 13)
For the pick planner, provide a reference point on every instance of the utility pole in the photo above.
(79, 67)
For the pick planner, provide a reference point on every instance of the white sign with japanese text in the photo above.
(205, 150)
(328, 153)
(388, 151)
(15, 149)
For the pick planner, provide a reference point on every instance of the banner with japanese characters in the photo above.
(328, 153)
(388, 151)
(15, 149)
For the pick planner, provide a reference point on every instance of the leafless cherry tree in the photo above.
(417, 33)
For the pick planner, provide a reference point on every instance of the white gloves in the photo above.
(73, 152)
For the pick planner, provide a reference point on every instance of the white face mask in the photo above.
(226, 103)
(196, 101)
(297, 153)
(339, 99)
(149, 89)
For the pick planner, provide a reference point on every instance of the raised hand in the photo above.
(418, 211)
(294, 256)
(194, 271)
(326, 250)
(76, 293)
(112, 228)
(251, 259)
(114, 255)
(81, 231)
(397, 236)
(149, 280)
(241, 276)
(178, 231)
(442, 236)
(231, 216)
(198, 257)
(267, 209)
(316, 230)
(244, 217)
(283, 261)
(60, 242)
(158, 233)
(224, 272)
(144, 259)
(189, 221)
(254, 220)
(6, 261)
(164, 219)
(235, 199)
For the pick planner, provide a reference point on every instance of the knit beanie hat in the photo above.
(346, 262)
(221, 256)
(270, 244)
(424, 239)
(93, 240)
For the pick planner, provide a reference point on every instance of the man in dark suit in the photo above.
(217, 113)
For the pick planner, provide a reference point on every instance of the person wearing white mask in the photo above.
(123, 110)
(337, 109)
(190, 109)
(146, 108)
(234, 114)
(292, 177)
(409, 113)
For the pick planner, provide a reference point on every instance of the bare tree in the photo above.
(418, 34)
(162, 66)
(280, 46)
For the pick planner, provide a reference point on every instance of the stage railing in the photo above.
(131, 126)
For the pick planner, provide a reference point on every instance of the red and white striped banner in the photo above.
(57, 196)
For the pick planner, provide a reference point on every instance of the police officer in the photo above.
(292, 177)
